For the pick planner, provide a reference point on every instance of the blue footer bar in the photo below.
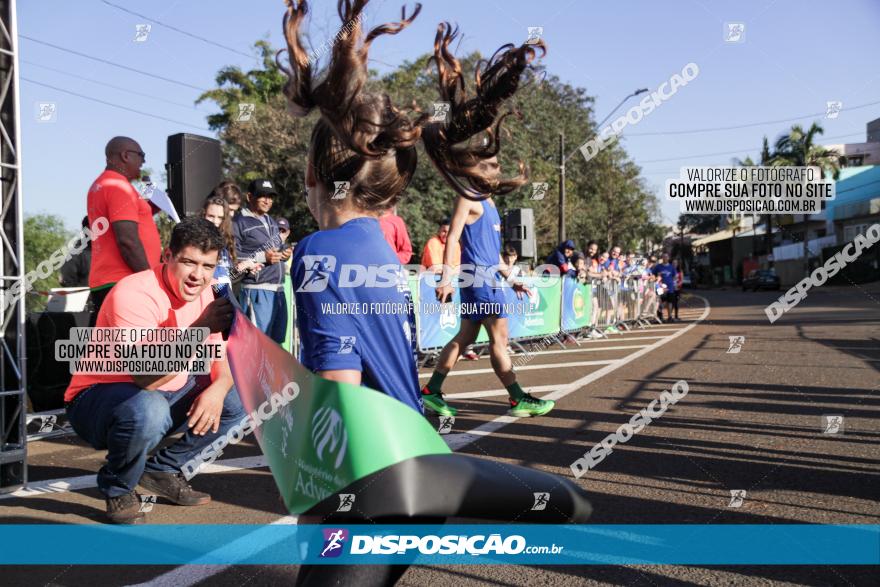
(740, 544)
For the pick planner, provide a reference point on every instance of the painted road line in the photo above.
(495, 392)
(196, 571)
(88, 481)
(460, 440)
(526, 368)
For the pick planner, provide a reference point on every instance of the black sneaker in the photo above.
(173, 487)
(125, 509)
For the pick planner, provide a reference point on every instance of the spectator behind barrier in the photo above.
(216, 211)
(229, 190)
(432, 255)
(394, 231)
(257, 237)
(561, 257)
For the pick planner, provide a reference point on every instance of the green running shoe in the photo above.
(436, 402)
(528, 405)
(612, 330)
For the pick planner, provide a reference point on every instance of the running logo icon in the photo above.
(832, 424)
(47, 112)
(346, 500)
(340, 190)
(736, 344)
(346, 344)
(141, 32)
(535, 34)
(441, 112)
(833, 109)
(539, 189)
(246, 112)
(318, 270)
(734, 32)
(446, 424)
(541, 501)
(333, 540)
(147, 503)
(737, 497)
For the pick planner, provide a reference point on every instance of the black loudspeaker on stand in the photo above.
(519, 230)
(194, 166)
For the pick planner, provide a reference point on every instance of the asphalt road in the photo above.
(752, 420)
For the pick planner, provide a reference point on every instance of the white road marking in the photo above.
(199, 570)
(88, 481)
(526, 368)
(494, 392)
(460, 440)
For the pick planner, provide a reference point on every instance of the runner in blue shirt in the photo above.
(478, 226)
(358, 334)
(666, 271)
(352, 315)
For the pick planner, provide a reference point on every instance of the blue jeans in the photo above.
(266, 309)
(129, 422)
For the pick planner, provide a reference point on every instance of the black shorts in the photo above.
(669, 297)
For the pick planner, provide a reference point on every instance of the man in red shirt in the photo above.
(395, 233)
(129, 414)
(133, 245)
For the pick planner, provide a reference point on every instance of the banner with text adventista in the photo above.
(332, 433)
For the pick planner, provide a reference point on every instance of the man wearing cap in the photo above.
(257, 237)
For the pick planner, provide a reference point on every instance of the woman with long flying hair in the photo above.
(471, 168)
(363, 142)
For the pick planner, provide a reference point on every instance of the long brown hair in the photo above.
(225, 226)
(454, 145)
(362, 138)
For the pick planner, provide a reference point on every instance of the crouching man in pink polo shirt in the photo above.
(129, 414)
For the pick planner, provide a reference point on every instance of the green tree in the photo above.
(43, 235)
(606, 199)
(799, 148)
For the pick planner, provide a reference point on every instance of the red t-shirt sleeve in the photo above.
(404, 246)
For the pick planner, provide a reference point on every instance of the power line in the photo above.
(114, 105)
(100, 60)
(177, 30)
(738, 126)
(746, 150)
(120, 88)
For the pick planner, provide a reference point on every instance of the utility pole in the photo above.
(561, 230)
(563, 158)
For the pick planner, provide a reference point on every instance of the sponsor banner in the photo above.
(436, 323)
(577, 304)
(544, 544)
(332, 434)
(537, 314)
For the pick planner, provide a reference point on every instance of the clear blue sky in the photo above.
(796, 56)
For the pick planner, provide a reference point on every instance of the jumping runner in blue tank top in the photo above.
(478, 226)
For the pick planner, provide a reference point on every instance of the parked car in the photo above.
(761, 279)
